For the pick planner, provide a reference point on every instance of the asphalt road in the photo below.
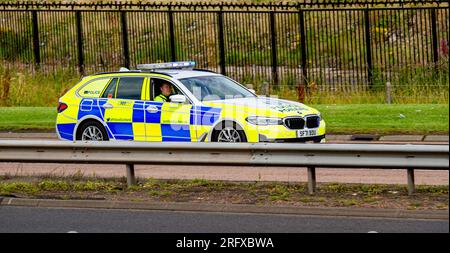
(63, 220)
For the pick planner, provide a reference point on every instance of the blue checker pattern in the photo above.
(154, 117)
(138, 112)
(199, 115)
(204, 115)
(121, 131)
(175, 132)
(66, 130)
(91, 107)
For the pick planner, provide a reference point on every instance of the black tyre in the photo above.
(92, 131)
(228, 132)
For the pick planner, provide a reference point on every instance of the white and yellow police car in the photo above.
(175, 102)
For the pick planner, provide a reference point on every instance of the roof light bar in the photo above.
(167, 65)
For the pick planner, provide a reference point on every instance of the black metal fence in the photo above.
(336, 45)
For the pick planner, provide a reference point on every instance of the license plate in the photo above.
(306, 133)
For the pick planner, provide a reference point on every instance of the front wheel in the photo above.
(229, 133)
(92, 131)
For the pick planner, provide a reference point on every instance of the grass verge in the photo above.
(361, 118)
(24, 118)
(205, 191)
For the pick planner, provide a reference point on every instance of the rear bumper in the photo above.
(263, 138)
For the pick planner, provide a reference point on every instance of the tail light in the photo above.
(61, 107)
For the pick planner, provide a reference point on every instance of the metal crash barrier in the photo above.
(311, 156)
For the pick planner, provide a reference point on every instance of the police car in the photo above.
(175, 102)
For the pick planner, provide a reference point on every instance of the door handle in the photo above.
(108, 106)
(152, 109)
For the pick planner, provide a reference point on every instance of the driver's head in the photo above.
(165, 89)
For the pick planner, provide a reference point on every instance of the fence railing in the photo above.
(346, 45)
(312, 156)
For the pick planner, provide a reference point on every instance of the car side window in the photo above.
(130, 88)
(156, 88)
(93, 89)
(110, 91)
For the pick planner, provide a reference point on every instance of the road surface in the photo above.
(63, 220)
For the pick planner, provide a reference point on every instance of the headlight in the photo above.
(264, 121)
(320, 116)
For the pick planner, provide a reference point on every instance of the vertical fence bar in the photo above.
(368, 48)
(435, 39)
(79, 42)
(171, 35)
(36, 51)
(126, 52)
(304, 61)
(273, 37)
(221, 42)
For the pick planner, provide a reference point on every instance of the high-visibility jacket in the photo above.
(161, 98)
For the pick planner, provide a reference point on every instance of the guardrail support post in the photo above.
(311, 180)
(411, 188)
(131, 179)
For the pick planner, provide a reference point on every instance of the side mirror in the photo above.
(178, 99)
(252, 91)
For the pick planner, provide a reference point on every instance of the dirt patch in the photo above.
(219, 192)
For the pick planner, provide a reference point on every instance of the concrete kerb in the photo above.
(438, 138)
(402, 138)
(230, 208)
(26, 135)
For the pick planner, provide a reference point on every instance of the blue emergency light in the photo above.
(167, 65)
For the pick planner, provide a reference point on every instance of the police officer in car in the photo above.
(166, 92)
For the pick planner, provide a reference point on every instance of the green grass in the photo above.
(386, 119)
(23, 118)
(343, 119)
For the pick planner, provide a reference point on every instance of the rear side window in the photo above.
(94, 88)
(110, 92)
(130, 88)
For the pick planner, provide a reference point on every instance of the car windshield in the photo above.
(208, 88)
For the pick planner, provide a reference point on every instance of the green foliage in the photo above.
(50, 185)
(279, 192)
(18, 187)
(25, 87)
(441, 189)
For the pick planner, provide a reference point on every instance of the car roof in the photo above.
(183, 73)
(174, 73)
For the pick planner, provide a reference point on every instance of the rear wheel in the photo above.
(92, 131)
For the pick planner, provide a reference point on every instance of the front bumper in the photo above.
(316, 139)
